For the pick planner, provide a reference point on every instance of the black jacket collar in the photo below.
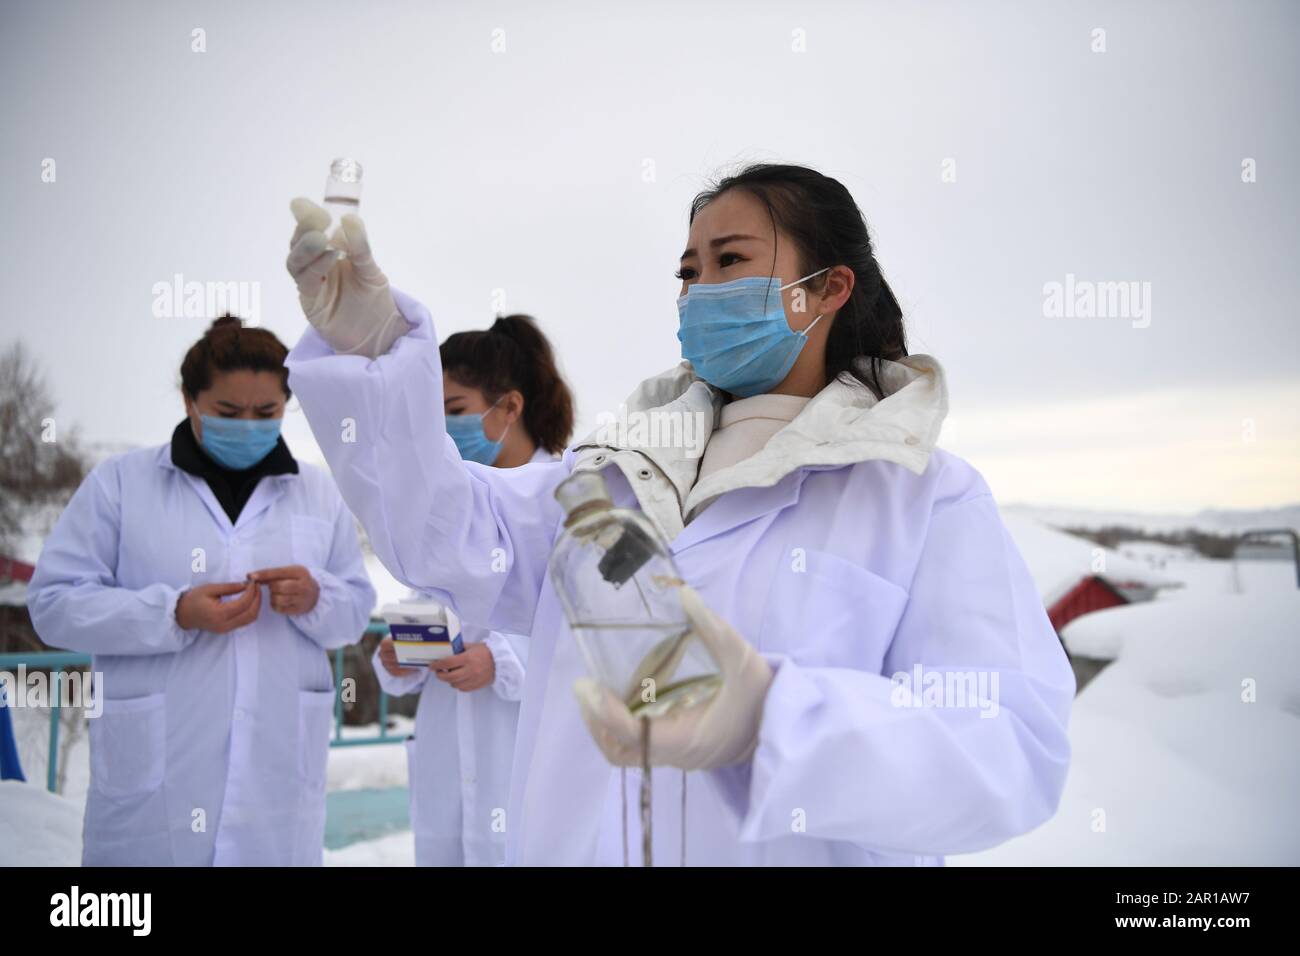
(231, 488)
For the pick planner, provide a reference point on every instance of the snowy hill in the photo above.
(1214, 520)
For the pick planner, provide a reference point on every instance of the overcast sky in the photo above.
(551, 151)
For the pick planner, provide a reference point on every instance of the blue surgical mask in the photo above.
(239, 443)
(735, 334)
(474, 445)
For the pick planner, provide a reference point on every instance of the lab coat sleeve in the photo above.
(396, 686)
(346, 598)
(855, 756)
(73, 597)
(475, 537)
(509, 657)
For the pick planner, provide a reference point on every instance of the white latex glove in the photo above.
(347, 299)
(720, 732)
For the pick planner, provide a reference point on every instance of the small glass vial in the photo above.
(343, 192)
(618, 585)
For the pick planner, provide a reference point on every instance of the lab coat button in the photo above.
(644, 473)
(912, 440)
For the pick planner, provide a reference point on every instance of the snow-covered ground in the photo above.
(1186, 749)
(1202, 576)
(38, 828)
(374, 766)
(395, 849)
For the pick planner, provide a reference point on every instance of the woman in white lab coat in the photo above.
(505, 405)
(207, 576)
(892, 690)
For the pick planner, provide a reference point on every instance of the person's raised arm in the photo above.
(370, 383)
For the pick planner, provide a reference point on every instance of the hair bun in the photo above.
(226, 321)
(517, 327)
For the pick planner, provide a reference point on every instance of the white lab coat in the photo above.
(847, 550)
(212, 748)
(458, 762)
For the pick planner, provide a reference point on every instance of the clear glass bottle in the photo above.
(342, 192)
(618, 585)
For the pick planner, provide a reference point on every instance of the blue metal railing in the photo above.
(59, 661)
(384, 737)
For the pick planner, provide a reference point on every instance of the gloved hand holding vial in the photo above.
(343, 292)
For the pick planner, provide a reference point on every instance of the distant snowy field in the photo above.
(1215, 521)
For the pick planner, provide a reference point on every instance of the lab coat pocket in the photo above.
(825, 611)
(315, 715)
(312, 539)
(128, 746)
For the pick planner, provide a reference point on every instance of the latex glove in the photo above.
(347, 300)
(720, 732)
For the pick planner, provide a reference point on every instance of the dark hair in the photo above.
(827, 227)
(514, 354)
(228, 346)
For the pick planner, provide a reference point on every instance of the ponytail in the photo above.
(514, 355)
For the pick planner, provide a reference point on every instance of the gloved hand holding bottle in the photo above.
(717, 733)
(347, 300)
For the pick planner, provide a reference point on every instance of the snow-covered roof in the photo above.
(1211, 619)
(26, 547)
(1058, 561)
(13, 594)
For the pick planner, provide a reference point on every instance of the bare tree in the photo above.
(41, 461)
